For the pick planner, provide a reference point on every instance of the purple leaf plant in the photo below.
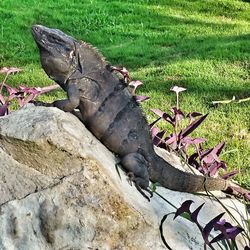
(225, 230)
(123, 71)
(134, 85)
(207, 161)
(22, 94)
(177, 140)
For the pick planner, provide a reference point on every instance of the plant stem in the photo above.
(172, 205)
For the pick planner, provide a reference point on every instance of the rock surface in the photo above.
(60, 189)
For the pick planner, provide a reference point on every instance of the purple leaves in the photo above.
(184, 208)
(163, 115)
(134, 85)
(192, 126)
(10, 70)
(229, 174)
(208, 228)
(226, 230)
(178, 139)
(4, 102)
(123, 71)
(7, 72)
(239, 191)
(3, 110)
(22, 94)
(26, 94)
(192, 115)
(141, 98)
(207, 161)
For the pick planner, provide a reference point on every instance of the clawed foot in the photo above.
(131, 177)
(135, 180)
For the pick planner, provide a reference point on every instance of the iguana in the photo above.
(110, 111)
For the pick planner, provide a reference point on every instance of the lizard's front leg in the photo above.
(67, 105)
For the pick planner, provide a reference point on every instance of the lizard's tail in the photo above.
(175, 179)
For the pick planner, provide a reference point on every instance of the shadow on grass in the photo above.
(141, 31)
(211, 91)
(165, 39)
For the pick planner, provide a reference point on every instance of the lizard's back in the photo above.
(112, 110)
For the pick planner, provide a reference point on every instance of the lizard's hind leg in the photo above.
(137, 168)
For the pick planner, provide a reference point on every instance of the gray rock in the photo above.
(60, 189)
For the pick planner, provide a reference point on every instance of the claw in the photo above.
(150, 192)
(132, 178)
(142, 193)
(117, 169)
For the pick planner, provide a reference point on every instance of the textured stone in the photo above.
(60, 189)
(18, 180)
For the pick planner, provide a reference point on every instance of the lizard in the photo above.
(110, 111)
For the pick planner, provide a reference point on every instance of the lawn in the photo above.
(202, 45)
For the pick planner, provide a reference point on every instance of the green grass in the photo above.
(202, 45)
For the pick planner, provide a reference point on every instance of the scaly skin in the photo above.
(109, 111)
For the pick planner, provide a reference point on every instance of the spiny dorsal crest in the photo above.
(95, 51)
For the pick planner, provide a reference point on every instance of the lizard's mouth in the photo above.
(38, 32)
(52, 39)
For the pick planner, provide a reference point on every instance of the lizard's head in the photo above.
(58, 53)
